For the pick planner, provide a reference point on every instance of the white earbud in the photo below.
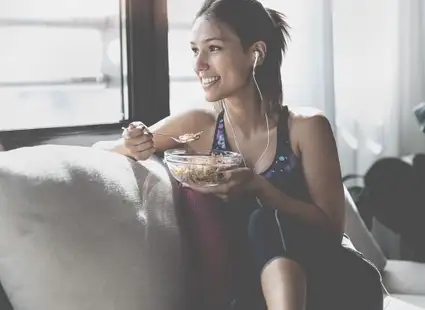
(257, 56)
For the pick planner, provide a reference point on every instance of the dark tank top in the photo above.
(286, 170)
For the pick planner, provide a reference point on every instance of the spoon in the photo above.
(186, 138)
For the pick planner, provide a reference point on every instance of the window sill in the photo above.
(31, 137)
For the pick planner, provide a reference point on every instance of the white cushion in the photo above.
(360, 235)
(404, 277)
(416, 300)
(397, 302)
(86, 229)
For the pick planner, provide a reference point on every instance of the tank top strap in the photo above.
(283, 139)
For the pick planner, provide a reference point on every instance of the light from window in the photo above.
(185, 90)
(60, 63)
(48, 54)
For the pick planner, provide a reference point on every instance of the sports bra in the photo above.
(286, 171)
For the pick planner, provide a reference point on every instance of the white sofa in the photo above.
(82, 228)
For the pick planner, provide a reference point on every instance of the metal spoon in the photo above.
(181, 139)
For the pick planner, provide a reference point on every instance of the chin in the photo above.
(211, 96)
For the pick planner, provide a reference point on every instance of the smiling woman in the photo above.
(284, 207)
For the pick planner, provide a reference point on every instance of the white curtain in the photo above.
(361, 62)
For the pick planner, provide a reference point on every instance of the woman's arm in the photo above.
(319, 158)
(188, 122)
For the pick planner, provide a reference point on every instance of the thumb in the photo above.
(224, 176)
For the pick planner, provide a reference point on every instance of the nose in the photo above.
(200, 62)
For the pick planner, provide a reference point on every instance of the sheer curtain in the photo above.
(361, 62)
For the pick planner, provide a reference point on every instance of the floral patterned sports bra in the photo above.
(286, 171)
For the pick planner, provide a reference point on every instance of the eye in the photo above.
(194, 50)
(214, 48)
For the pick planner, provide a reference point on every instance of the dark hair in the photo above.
(252, 22)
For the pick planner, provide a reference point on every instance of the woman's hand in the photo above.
(138, 141)
(232, 183)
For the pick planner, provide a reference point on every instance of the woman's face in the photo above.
(220, 62)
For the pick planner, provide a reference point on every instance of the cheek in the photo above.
(238, 74)
(233, 71)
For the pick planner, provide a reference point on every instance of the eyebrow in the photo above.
(211, 39)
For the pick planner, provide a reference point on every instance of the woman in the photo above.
(292, 216)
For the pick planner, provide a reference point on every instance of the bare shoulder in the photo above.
(306, 118)
(306, 124)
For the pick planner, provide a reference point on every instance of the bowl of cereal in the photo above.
(200, 168)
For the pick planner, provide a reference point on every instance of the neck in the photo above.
(246, 111)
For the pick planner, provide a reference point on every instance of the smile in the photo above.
(209, 81)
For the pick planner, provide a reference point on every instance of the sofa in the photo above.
(82, 228)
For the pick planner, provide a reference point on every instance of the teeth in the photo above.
(209, 80)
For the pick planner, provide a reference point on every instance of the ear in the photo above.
(261, 47)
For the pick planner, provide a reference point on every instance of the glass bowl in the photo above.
(200, 168)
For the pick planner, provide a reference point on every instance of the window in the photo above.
(185, 90)
(62, 63)
(80, 68)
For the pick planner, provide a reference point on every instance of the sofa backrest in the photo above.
(360, 235)
(82, 228)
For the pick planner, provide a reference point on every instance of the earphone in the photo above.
(257, 56)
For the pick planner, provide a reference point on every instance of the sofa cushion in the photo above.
(412, 300)
(360, 235)
(404, 277)
(396, 302)
(82, 228)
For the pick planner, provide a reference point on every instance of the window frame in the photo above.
(146, 43)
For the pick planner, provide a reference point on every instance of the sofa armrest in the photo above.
(83, 228)
(404, 277)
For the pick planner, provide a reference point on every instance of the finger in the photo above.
(145, 154)
(132, 133)
(143, 146)
(224, 176)
(131, 127)
(144, 138)
(201, 189)
(135, 131)
(136, 124)
(137, 140)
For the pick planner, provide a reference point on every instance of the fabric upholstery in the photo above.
(82, 228)
(404, 277)
(404, 302)
(360, 235)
